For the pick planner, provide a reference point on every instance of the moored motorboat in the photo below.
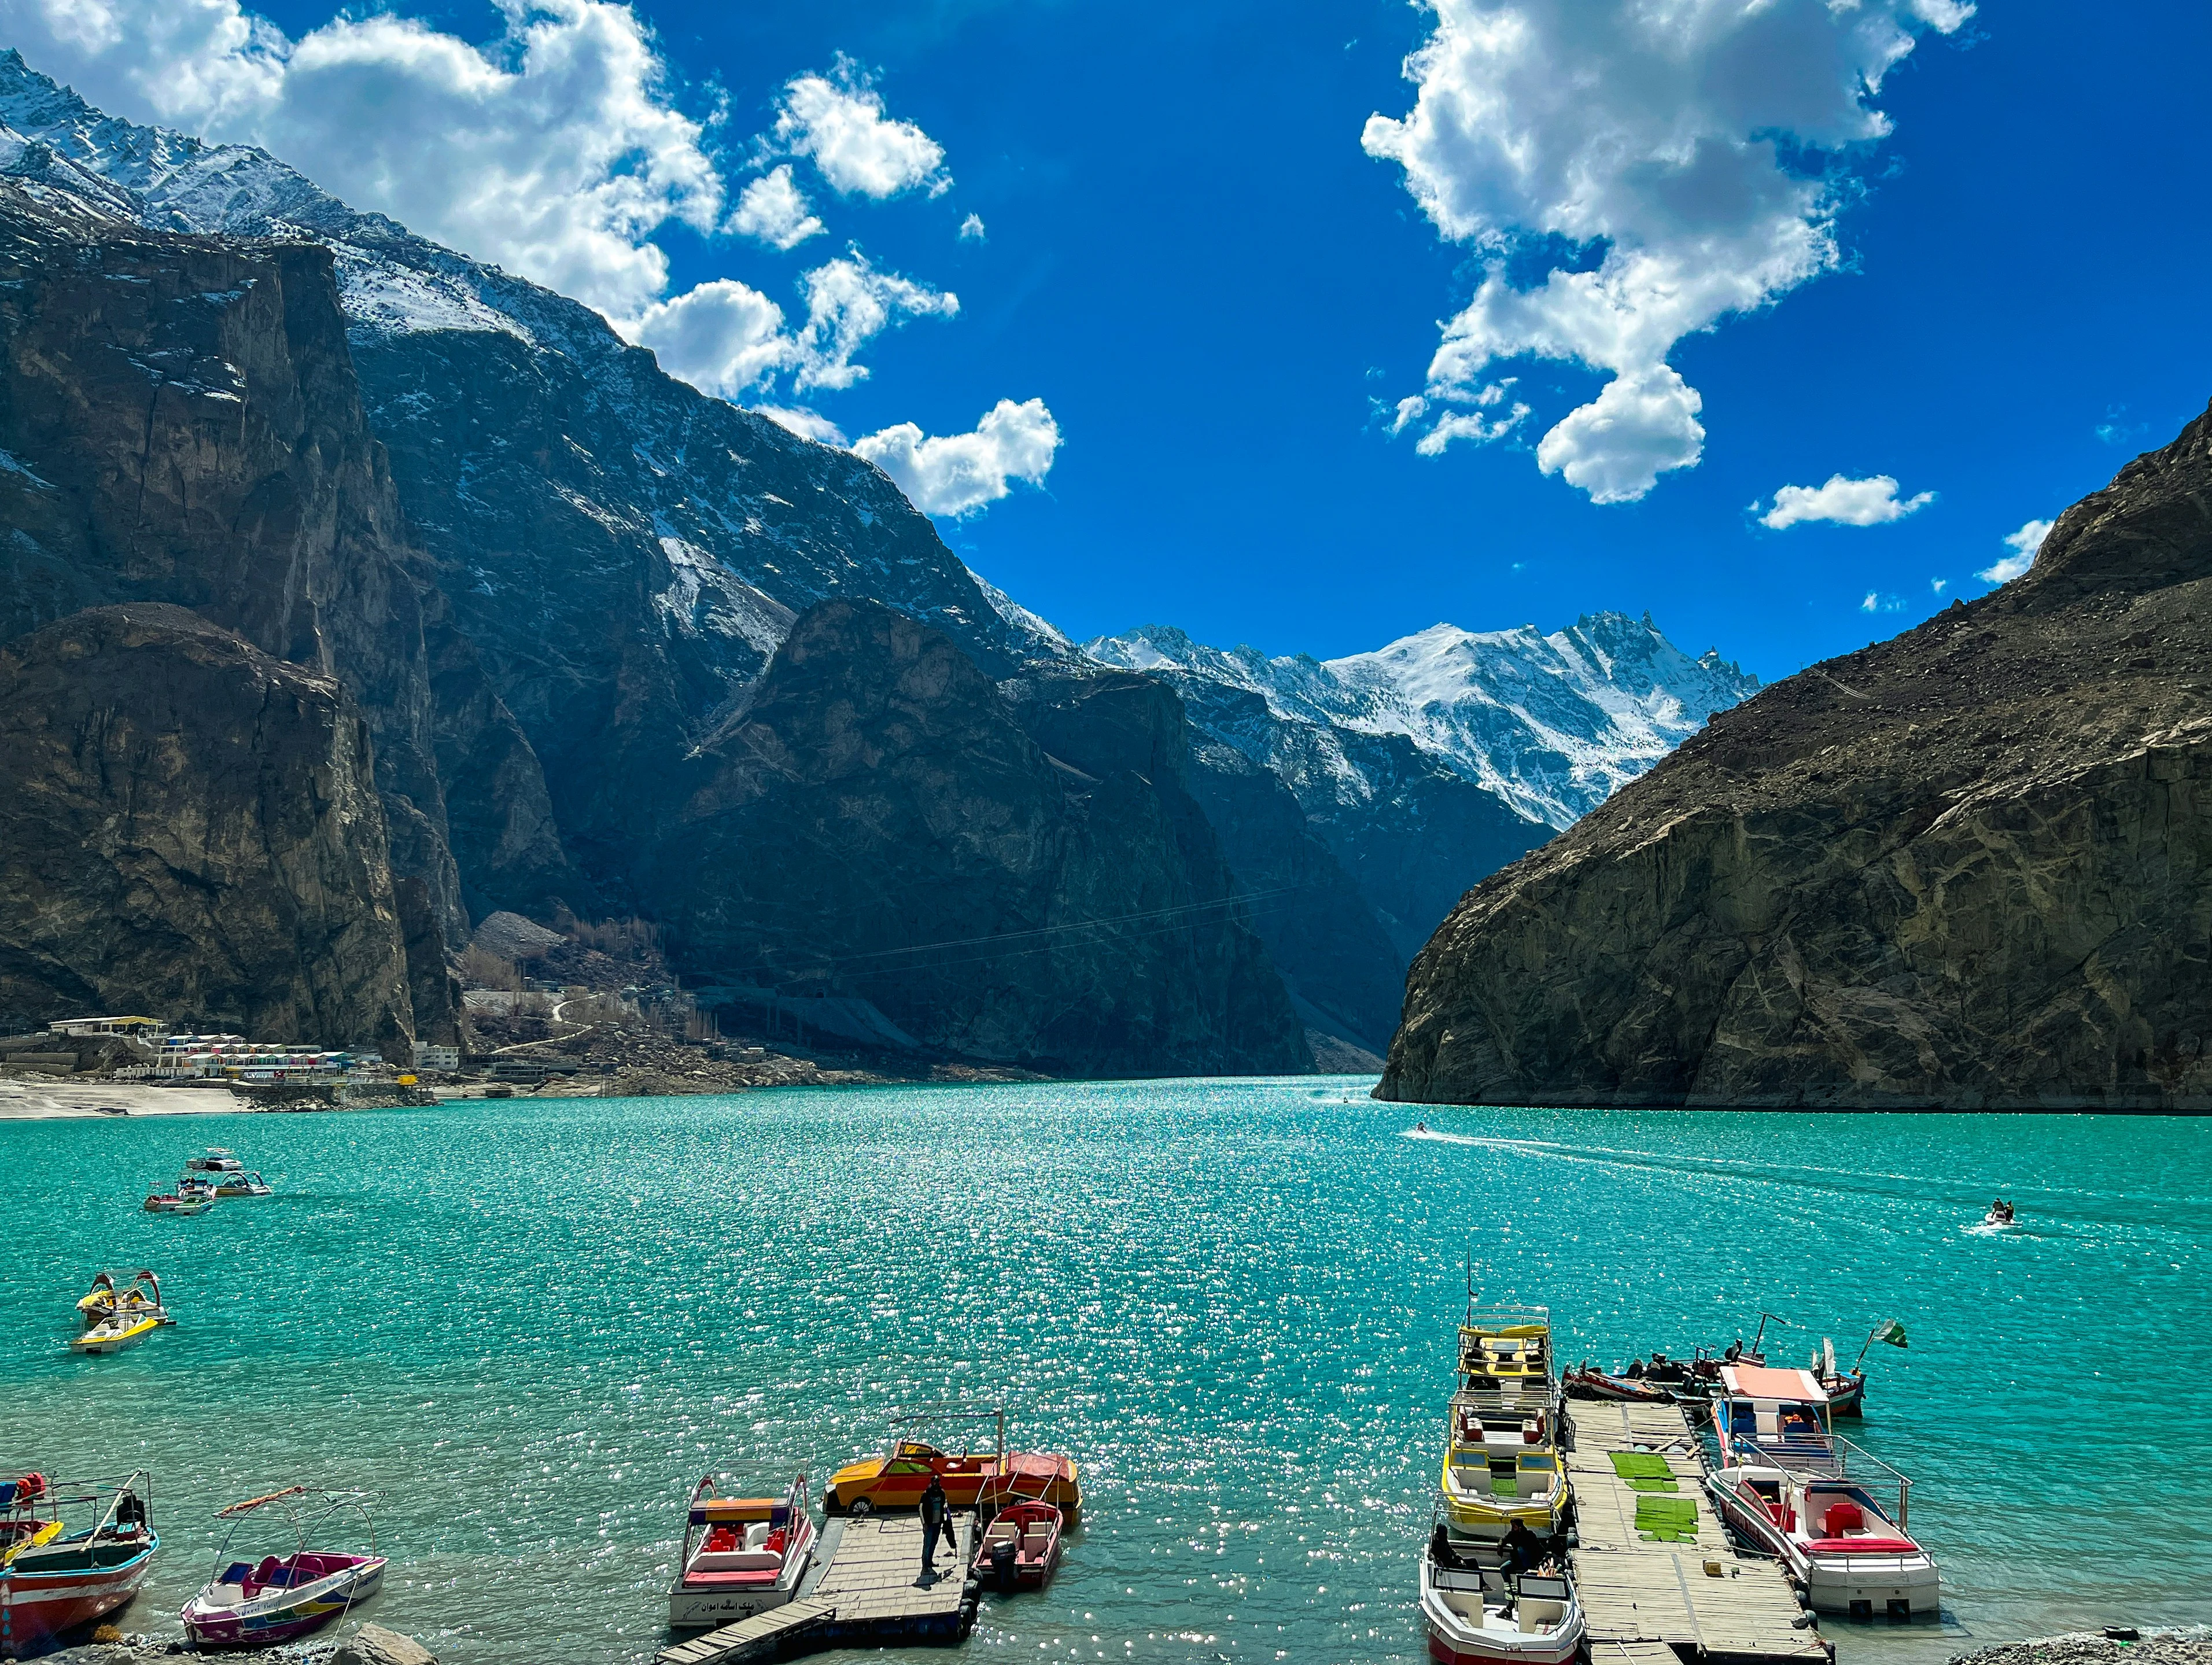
(741, 1556)
(1501, 1456)
(281, 1598)
(1020, 1549)
(180, 1202)
(1840, 1535)
(1763, 1412)
(1478, 1615)
(1587, 1383)
(54, 1579)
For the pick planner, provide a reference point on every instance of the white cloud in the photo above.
(848, 302)
(971, 229)
(838, 122)
(1881, 604)
(807, 424)
(2023, 543)
(1648, 137)
(554, 150)
(722, 338)
(1465, 425)
(1641, 424)
(728, 339)
(1868, 605)
(773, 210)
(1410, 410)
(1870, 502)
(1938, 586)
(958, 473)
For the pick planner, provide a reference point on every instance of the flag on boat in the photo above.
(1891, 1332)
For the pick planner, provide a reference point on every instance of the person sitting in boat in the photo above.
(1635, 1370)
(1521, 1548)
(1735, 1350)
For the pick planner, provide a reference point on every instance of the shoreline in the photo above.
(63, 1100)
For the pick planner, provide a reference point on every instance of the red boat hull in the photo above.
(37, 1608)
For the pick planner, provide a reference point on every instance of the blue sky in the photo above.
(1221, 297)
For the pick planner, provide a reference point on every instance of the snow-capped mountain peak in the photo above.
(1553, 724)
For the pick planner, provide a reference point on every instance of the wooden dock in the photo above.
(866, 1588)
(1647, 1602)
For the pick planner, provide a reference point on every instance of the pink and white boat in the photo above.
(741, 1556)
(250, 1604)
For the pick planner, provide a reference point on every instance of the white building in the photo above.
(430, 1056)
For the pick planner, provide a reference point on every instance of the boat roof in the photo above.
(1765, 1381)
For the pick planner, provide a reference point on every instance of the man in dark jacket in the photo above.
(936, 1518)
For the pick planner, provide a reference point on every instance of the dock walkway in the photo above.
(866, 1589)
(1643, 1598)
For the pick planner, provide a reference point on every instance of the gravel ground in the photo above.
(2190, 1647)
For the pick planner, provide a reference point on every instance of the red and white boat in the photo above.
(249, 1604)
(1849, 1552)
(741, 1556)
(1485, 1616)
(1020, 1549)
(55, 1579)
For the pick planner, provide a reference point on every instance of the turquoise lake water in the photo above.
(531, 1325)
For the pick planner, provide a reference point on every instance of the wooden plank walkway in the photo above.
(1638, 1595)
(874, 1577)
(761, 1637)
(867, 1587)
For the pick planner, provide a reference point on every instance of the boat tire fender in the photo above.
(860, 1506)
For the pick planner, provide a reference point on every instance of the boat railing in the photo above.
(1829, 1456)
(1539, 1400)
(1494, 1320)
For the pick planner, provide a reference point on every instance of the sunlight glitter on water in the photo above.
(531, 1325)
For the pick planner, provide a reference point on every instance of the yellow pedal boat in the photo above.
(116, 1332)
(1501, 1458)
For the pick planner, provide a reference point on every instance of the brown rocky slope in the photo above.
(1969, 868)
(187, 816)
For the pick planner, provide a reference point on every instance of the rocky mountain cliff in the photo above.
(179, 423)
(188, 816)
(620, 552)
(1968, 868)
(557, 592)
(878, 820)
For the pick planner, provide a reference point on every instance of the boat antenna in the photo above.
(1764, 1319)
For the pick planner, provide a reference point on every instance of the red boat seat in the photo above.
(1841, 1518)
(1862, 1546)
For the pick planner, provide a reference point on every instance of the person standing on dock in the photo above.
(936, 1518)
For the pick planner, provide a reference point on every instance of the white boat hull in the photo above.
(1870, 1584)
(1455, 1638)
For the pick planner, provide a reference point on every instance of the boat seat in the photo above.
(735, 1560)
(1036, 1539)
(1003, 1532)
(236, 1573)
(1842, 1518)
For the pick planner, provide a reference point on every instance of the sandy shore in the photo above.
(26, 1099)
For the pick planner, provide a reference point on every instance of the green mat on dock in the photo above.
(1667, 1520)
(1644, 1471)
